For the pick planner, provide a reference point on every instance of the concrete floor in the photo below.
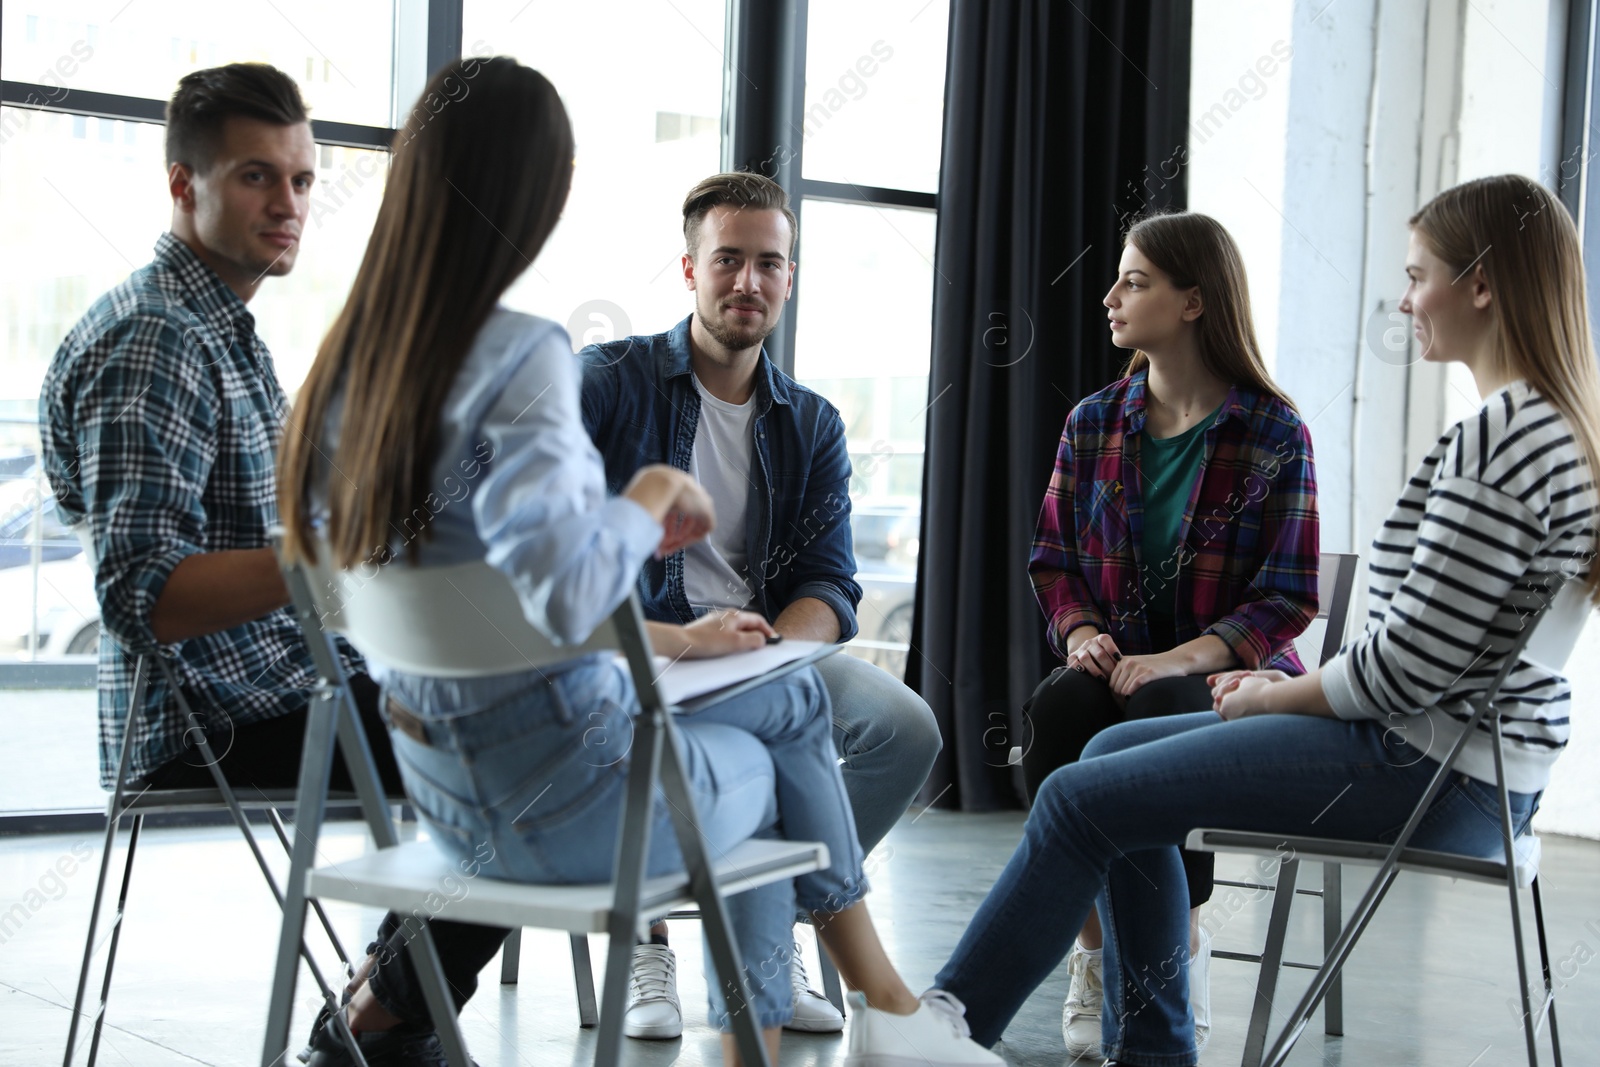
(1429, 985)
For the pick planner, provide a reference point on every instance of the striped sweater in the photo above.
(1501, 500)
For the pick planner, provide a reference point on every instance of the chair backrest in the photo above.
(1336, 573)
(459, 621)
(1336, 579)
(1559, 627)
(1551, 625)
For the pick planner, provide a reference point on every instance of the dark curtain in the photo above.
(1064, 119)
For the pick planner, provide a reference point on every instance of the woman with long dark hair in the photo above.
(437, 427)
(1504, 502)
(1178, 536)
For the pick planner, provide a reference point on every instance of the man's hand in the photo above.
(1096, 655)
(676, 501)
(1133, 672)
(720, 633)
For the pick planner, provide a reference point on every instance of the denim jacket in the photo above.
(640, 406)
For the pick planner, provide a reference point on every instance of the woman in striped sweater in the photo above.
(1504, 500)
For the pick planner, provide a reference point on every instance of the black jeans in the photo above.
(266, 755)
(1070, 707)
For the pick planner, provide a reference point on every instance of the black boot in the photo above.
(390, 1048)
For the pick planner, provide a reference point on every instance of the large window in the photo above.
(647, 120)
(341, 54)
(83, 177)
(644, 93)
(646, 84)
(86, 198)
(870, 134)
(874, 101)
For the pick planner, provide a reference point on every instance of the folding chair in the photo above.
(463, 621)
(1551, 629)
(1336, 572)
(135, 800)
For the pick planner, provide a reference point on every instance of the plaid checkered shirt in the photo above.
(159, 418)
(1246, 562)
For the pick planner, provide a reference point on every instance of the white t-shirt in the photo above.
(713, 569)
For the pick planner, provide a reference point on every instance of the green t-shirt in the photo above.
(1169, 467)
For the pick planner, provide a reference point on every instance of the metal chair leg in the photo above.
(436, 991)
(316, 761)
(116, 937)
(713, 909)
(213, 764)
(1509, 847)
(1332, 920)
(632, 844)
(511, 957)
(316, 905)
(1368, 905)
(583, 978)
(114, 811)
(614, 995)
(1271, 963)
(94, 917)
(1544, 966)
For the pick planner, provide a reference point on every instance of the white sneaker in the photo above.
(653, 1009)
(813, 1012)
(1200, 991)
(936, 1033)
(1080, 1015)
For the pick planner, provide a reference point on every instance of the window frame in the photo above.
(35, 97)
(1576, 185)
(759, 124)
(760, 127)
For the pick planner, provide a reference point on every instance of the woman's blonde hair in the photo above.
(1195, 251)
(1523, 240)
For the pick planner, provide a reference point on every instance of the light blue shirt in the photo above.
(518, 482)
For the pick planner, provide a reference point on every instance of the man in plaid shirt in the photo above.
(160, 418)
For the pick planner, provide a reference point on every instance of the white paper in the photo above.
(685, 679)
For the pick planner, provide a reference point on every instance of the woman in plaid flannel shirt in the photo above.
(1178, 536)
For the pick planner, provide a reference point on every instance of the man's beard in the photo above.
(731, 337)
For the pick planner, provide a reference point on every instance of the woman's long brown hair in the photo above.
(1524, 241)
(1195, 251)
(480, 173)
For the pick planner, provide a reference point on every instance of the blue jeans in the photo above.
(1108, 827)
(888, 739)
(522, 777)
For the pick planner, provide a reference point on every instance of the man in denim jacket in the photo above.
(771, 453)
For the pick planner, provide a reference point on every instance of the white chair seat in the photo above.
(414, 877)
(1368, 854)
